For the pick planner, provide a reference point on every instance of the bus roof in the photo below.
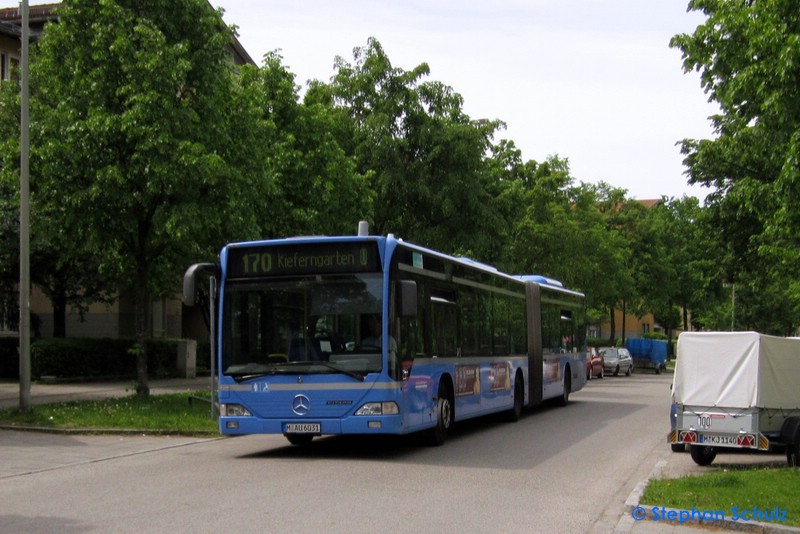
(391, 242)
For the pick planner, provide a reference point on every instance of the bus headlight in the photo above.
(233, 410)
(379, 408)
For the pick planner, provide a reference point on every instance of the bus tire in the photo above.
(702, 454)
(564, 398)
(444, 416)
(513, 415)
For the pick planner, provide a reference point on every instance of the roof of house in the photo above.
(38, 16)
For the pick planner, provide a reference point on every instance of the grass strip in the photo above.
(180, 413)
(740, 492)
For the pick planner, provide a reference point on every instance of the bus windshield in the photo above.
(301, 325)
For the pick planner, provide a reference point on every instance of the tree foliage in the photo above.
(135, 133)
(150, 151)
(422, 155)
(748, 56)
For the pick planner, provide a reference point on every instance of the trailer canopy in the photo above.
(737, 370)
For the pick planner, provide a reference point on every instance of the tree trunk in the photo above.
(143, 313)
(685, 319)
(60, 314)
(612, 326)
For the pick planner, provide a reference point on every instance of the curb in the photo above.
(627, 521)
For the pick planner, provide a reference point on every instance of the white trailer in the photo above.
(737, 390)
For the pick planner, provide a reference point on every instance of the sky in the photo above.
(592, 81)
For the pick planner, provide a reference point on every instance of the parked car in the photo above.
(616, 360)
(594, 364)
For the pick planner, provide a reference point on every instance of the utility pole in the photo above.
(24, 229)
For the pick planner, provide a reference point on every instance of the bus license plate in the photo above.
(718, 440)
(302, 428)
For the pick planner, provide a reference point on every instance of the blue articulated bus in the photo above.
(373, 335)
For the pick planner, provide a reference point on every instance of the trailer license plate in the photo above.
(719, 440)
(302, 428)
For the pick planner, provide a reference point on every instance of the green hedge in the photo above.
(600, 342)
(89, 358)
(9, 357)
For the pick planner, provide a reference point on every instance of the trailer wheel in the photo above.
(702, 454)
(793, 454)
(790, 435)
(678, 447)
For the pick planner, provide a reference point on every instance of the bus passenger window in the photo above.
(445, 327)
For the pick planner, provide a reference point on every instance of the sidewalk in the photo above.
(70, 391)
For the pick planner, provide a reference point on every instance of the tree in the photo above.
(315, 186)
(423, 156)
(9, 202)
(136, 131)
(615, 289)
(748, 55)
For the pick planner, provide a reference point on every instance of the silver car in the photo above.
(616, 360)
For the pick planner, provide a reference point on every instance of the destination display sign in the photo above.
(300, 259)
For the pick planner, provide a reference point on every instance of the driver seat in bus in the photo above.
(297, 350)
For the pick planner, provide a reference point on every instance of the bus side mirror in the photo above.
(190, 280)
(408, 298)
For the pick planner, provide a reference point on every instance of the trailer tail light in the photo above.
(688, 437)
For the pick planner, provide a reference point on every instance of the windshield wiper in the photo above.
(240, 377)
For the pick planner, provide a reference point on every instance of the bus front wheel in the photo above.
(444, 416)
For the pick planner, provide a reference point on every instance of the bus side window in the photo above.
(444, 324)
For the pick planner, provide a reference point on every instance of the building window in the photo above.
(8, 64)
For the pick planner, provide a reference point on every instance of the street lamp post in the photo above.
(24, 229)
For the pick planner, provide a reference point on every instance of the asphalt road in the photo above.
(559, 470)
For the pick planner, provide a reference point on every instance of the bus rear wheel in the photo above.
(444, 416)
(515, 412)
(564, 398)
